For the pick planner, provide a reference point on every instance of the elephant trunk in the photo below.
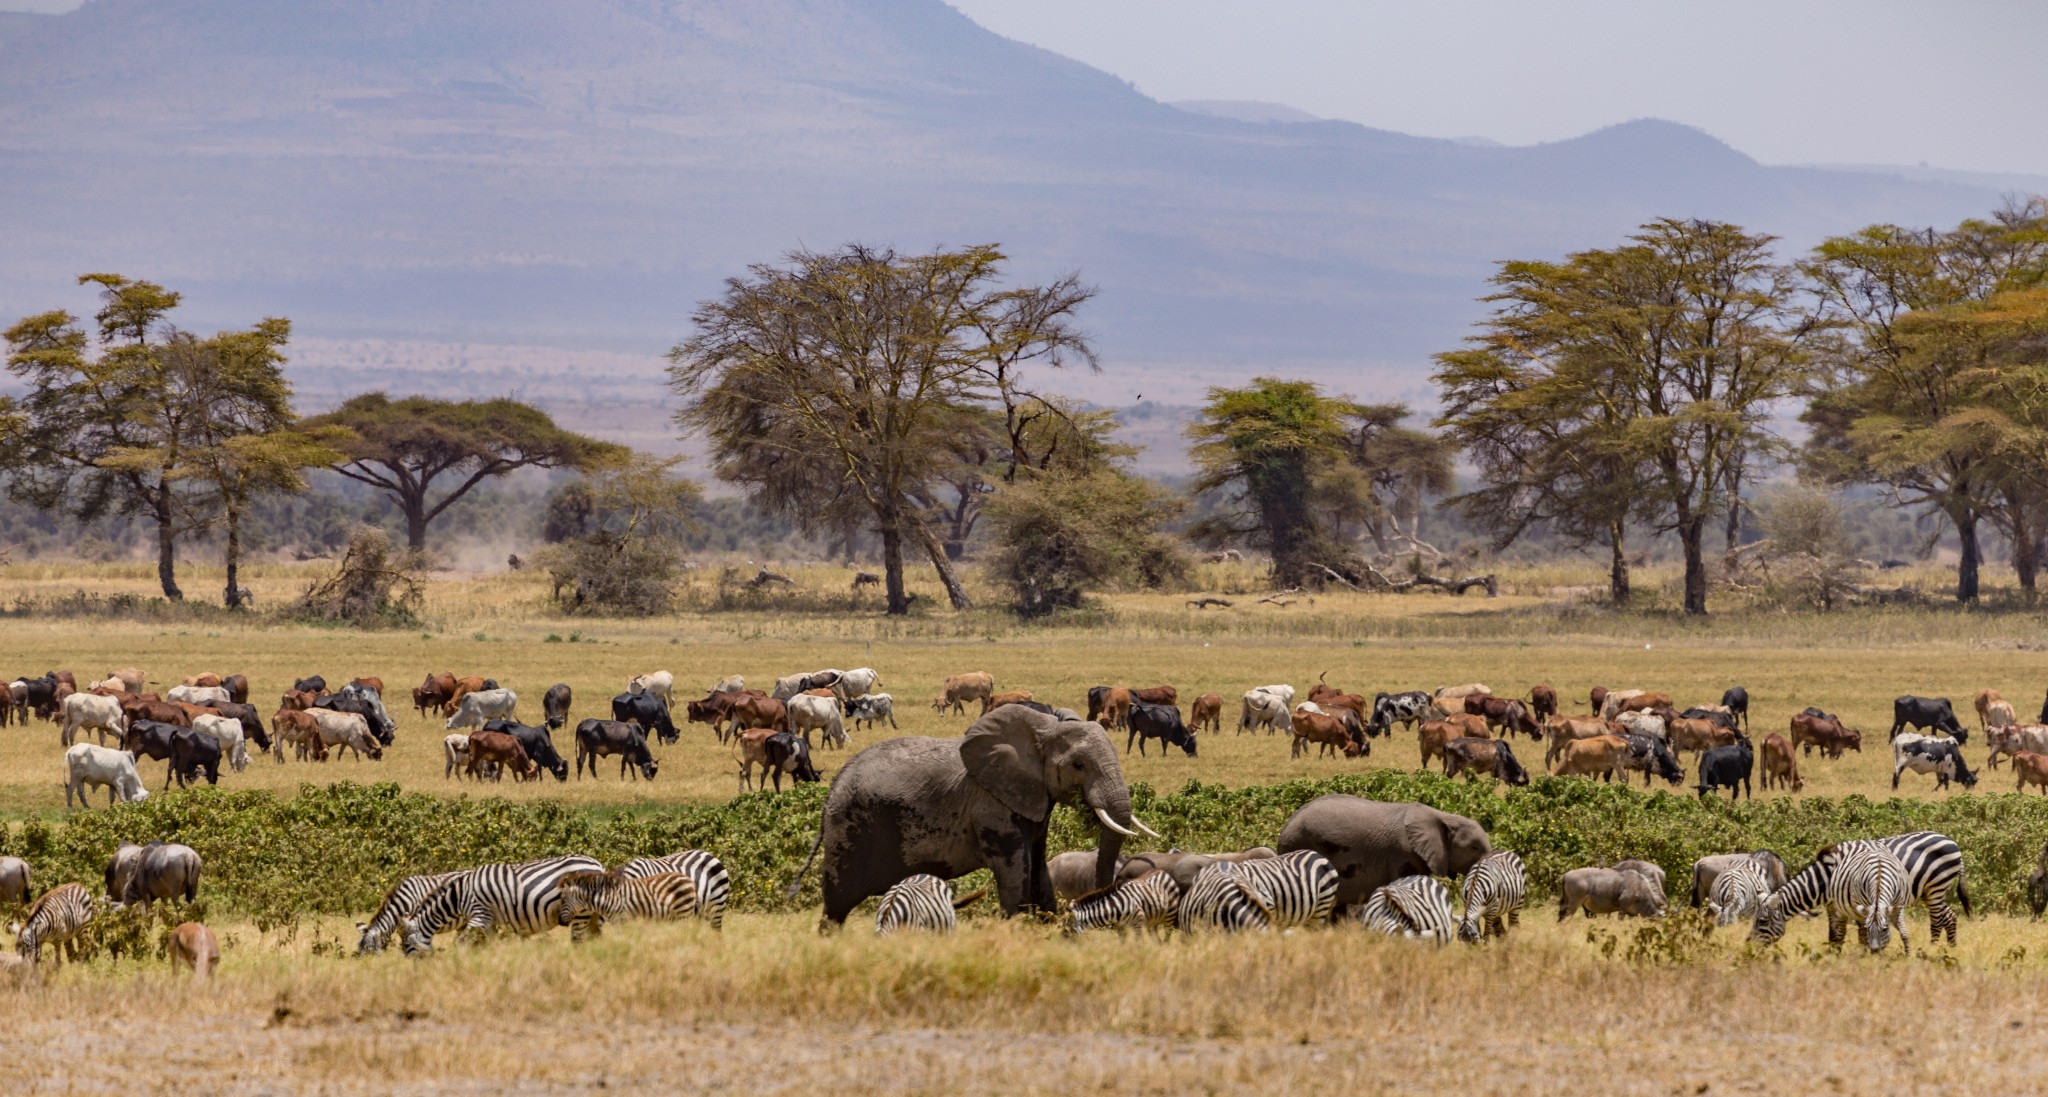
(1118, 823)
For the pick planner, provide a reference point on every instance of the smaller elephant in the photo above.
(1608, 891)
(1182, 868)
(1372, 843)
(1073, 873)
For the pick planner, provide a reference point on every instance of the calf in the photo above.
(554, 705)
(1434, 734)
(1161, 722)
(301, 730)
(496, 746)
(1329, 732)
(1469, 755)
(1781, 763)
(868, 708)
(1206, 713)
(1926, 712)
(539, 746)
(1729, 767)
(2031, 768)
(601, 738)
(777, 753)
(1984, 700)
(194, 947)
(1925, 754)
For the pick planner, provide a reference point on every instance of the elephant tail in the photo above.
(797, 884)
(969, 899)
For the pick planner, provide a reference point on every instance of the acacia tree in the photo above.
(403, 447)
(119, 431)
(1388, 473)
(844, 382)
(1267, 445)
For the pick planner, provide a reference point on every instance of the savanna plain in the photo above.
(769, 1005)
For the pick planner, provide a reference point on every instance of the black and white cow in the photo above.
(1925, 754)
(1406, 709)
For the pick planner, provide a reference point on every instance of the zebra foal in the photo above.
(714, 883)
(923, 902)
(1148, 902)
(590, 899)
(1413, 906)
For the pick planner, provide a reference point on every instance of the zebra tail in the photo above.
(797, 884)
(969, 899)
(1963, 896)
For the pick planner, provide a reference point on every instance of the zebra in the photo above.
(714, 884)
(402, 901)
(922, 902)
(1299, 888)
(1221, 898)
(1933, 861)
(1148, 902)
(524, 898)
(56, 917)
(589, 899)
(1860, 879)
(1494, 891)
(1413, 906)
(1738, 892)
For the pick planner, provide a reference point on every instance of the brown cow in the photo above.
(203, 680)
(1699, 736)
(370, 682)
(1009, 697)
(433, 692)
(1330, 697)
(1503, 712)
(193, 946)
(1542, 702)
(1602, 754)
(759, 712)
(1433, 734)
(1329, 732)
(1984, 699)
(715, 708)
(162, 711)
(1157, 695)
(297, 699)
(1116, 707)
(959, 689)
(1208, 713)
(1643, 702)
(1559, 730)
(298, 727)
(502, 748)
(473, 683)
(2030, 768)
(1597, 698)
(237, 686)
(1486, 756)
(1826, 733)
(1781, 763)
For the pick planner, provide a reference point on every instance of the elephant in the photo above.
(1183, 867)
(950, 806)
(1073, 873)
(1372, 843)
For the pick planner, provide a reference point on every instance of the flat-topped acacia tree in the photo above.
(403, 446)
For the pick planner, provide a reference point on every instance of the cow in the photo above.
(1433, 734)
(205, 679)
(1472, 756)
(435, 692)
(1650, 756)
(1406, 709)
(1262, 709)
(554, 705)
(538, 744)
(1455, 695)
(1559, 730)
(194, 947)
(2031, 767)
(366, 703)
(1924, 754)
(731, 683)
(1642, 701)
(228, 733)
(1279, 689)
(237, 686)
(294, 699)
(1984, 700)
(348, 731)
(2000, 714)
(86, 710)
(1116, 707)
(2014, 738)
(1542, 702)
(1328, 731)
(1781, 763)
(496, 746)
(102, 767)
(601, 738)
(252, 723)
(1503, 712)
(1644, 723)
(131, 678)
(1602, 755)
(1923, 713)
(454, 754)
(301, 730)
(194, 752)
(649, 712)
(1718, 715)
(868, 708)
(660, 683)
(481, 705)
(791, 685)
(777, 753)
(1597, 699)
(1700, 736)
(759, 712)
(1161, 722)
(1728, 767)
(1010, 697)
(1736, 700)
(198, 695)
(312, 683)
(716, 709)
(806, 712)
(1826, 732)
(153, 739)
(857, 683)
(1206, 713)
(1612, 700)
(163, 712)
(463, 687)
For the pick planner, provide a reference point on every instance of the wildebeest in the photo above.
(777, 753)
(554, 705)
(1924, 713)
(157, 871)
(868, 708)
(539, 746)
(1924, 754)
(497, 746)
(646, 711)
(1729, 767)
(1470, 755)
(1161, 722)
(101, 767)
(1406, 709)
(482, 705)
(16, 886)
(1736, 700)
(195, 752)
(599, 738)
(1608, 891)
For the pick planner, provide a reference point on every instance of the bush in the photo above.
(1059, 536)
(375, 586)
(614, 575)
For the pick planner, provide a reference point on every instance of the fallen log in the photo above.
(1205, 603)
(1455, 586)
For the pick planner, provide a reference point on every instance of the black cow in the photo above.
(1391, 708)
(2044, 710)
(1729, 766)
(1098, 696)
(598, 738)
(152, 738)
(1718, 719)
(1812, 711)
(646, 710)
(1161, 722)
(237, 686)
(790, 753)
(252, 722)
(554, 705)
(539, 745)
(1736, 701)
(1940, 757)
(1924, 713)
(312, 683)
(41, 697)
(364, 702)
(192, 753)
(1652, 755)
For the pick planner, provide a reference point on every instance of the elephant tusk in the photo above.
(1112, 824)
(1140, 823)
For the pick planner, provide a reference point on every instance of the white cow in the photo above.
(1264, 709)
(104, 767)
(731, 683)
(455, 749)
(1611, 707)
(489, 704)
(198, 695)
(875, 706)
(1643, 723)
(807, 712)
(227, 731)
(90, 710)
(348, 730)
(2013, 738)
(1283, 691)
(856, 683)
(788, 687)
(661, 683)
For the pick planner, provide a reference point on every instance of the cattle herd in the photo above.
(207, 721)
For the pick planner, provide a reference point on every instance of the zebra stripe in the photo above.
(1148, 902)
(1933, 862)
(1737, 892)
(590, 899)
(714, 884)
(1413, 906)
(922, 902)
(525, 898)
(1219, 898)
(1494, 891)
(399, 903)
(56, 918)
(1299, 888)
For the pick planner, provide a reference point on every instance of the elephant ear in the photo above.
(1004, 755)
(1427, 841)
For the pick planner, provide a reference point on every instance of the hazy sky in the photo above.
(1954, 83)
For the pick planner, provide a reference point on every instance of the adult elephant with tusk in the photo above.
(950, 806)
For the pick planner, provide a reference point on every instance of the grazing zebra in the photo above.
(714, 884)
(922, 902)
(1861, 880)
(1299, 888)
(1148, 902)
(590, 899)
(1221, 898)
(1413, 906)
(56, 918)
(1494, 891)
(525, 898)
(1738, 891)
(401, 902)
(1933, 862)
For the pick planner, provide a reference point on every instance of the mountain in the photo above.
(1246, 110)
(503, 188)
